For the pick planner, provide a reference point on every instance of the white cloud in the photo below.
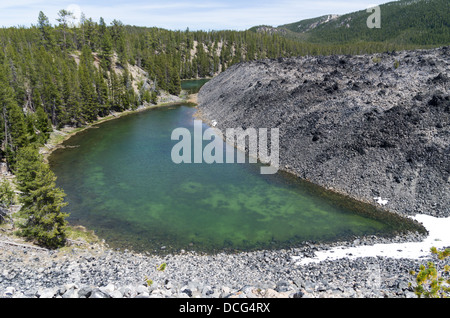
(75, 9)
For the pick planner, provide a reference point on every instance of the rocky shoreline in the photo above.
(96, 271)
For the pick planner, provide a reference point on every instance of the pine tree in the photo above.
(101, 27)
(90, 32)
(64, 18)
(174, 78)
(116, 89)
(102, 94)
(106, 51)
(7, 194)
(42, 124)
(42, 218)
(87, 85)
(118, 38)
(14, 132)
(46, 31)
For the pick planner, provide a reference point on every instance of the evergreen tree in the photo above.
(43, 220)
(174, 78)
(118, 38)
(116, 91)
(106, 51)
(7, 194)
(45, 29)
(64, 18)
(90, 32)
(14, 132)
(102, 27)
(42, 124)
(86, 73)
(72, 95)
(102, 94)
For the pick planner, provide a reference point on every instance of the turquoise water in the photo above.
(120, 182)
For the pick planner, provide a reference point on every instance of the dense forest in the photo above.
(52, 76)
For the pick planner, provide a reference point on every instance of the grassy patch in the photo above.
(79, 233)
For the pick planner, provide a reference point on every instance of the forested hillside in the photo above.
(405, 23)
(57, 75)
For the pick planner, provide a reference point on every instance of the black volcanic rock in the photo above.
(367, 126)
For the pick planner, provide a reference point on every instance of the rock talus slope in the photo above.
(369, 126)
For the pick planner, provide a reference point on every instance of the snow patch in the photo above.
(439, 237)
(381, 201)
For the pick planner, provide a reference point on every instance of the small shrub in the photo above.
(7, 195)
(148, 281)
(396, 64)
(7, 198)
(376, 60)
(431, 281)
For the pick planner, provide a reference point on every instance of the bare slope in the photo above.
(367, 126)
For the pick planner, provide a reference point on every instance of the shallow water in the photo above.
(193, 86)
(121, 182)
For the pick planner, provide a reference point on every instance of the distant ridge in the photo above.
(416, 22)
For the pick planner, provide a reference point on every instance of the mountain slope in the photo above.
(416, 22)
(308, 24)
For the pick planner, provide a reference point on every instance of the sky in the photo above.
(181, 14)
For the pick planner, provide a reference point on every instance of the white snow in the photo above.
(439, 237)
(381, 201)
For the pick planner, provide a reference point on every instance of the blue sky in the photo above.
(180, 14)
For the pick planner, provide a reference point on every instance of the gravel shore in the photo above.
(96, 271)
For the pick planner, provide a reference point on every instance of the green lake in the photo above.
(121, 182)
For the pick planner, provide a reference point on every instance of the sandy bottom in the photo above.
(439, 237)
